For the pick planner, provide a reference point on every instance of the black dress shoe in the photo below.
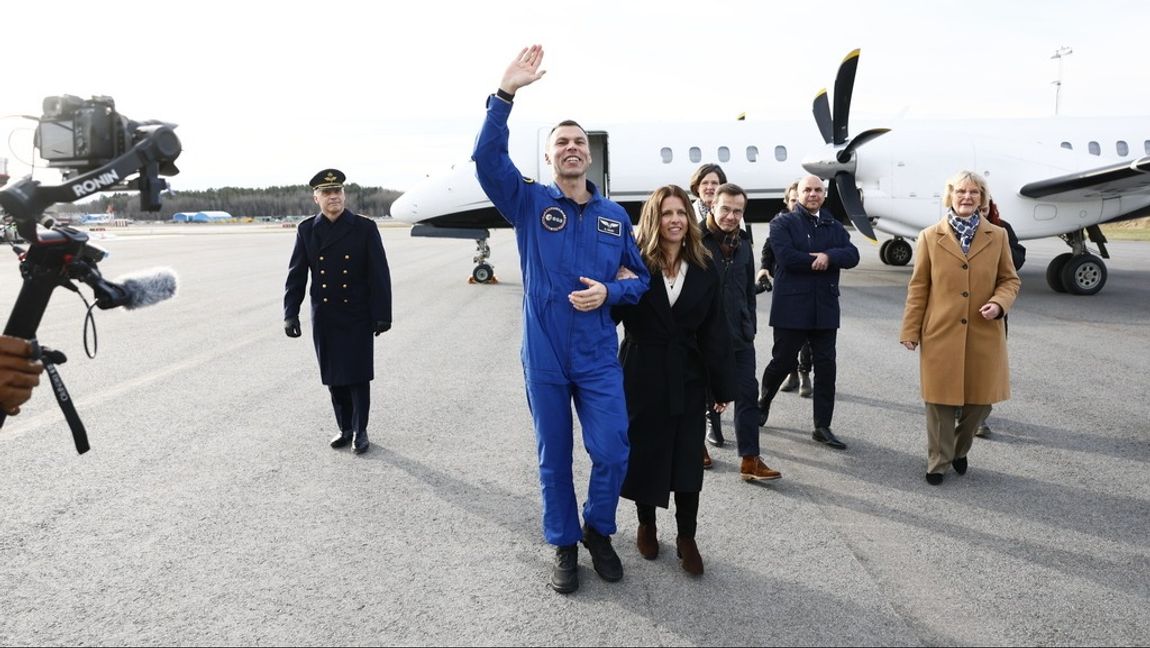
(824, 436)
(603, 556)
(959, 465)
(565, 573)
(764, 412)
(715, 430)
(934, 479)
(792, 382)
(342, 440)
(360, 444)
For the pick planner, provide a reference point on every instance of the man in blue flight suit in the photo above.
(350, 300)
(578, 258)
(811, 247)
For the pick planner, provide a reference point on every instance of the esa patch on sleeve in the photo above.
(608, 226)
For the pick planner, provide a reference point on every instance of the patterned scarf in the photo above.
(964, 228)
(728, 243)
(701, 210)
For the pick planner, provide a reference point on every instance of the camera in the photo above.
(78, 135)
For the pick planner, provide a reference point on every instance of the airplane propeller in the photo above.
(839, 161)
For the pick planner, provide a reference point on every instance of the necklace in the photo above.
(680, 271)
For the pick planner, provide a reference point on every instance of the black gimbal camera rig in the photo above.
(98, 150)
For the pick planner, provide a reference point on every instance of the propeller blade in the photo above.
(858, 140)
(844, 87)
(822, 110)
(852, 202)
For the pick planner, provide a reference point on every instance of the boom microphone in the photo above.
(140, 289)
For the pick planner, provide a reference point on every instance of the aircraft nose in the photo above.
(405, 208)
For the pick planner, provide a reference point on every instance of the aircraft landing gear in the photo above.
(483, 272)
(1079, 272)
(895, 251)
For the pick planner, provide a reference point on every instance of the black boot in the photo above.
(603, 556)
(565, 573)
(360, 444)
(342, 440)
(715, 429)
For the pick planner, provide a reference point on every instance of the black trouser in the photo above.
(686, 513)
(783, 361)
(352, 404)
(746, 406)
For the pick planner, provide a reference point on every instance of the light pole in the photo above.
(1059, 54)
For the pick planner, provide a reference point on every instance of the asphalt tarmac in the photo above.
(210, 510)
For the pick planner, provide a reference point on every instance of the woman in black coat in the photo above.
(676, 343)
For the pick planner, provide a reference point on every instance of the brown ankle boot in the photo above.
(647, 542)
(689, 558)
(707, 463)
(753, 469)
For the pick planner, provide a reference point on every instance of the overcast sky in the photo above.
(268, 93)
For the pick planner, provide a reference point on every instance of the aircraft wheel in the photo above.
(482, 273)
(1054, 272)
(882, 251)
(899, 252)
(1084, 275)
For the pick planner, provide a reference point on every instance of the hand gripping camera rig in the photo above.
(98, 150)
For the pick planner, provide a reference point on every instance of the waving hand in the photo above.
(524, 70)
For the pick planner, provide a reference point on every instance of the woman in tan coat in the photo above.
(963, 284)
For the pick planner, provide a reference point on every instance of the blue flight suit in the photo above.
(567, 355)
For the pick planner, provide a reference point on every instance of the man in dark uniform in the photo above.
(350, 300)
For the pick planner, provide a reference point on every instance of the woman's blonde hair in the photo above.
(647, 233)
(962, 177)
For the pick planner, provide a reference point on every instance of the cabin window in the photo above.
(695, 154)
(1094, 148)
(724, 154)
(781, 153)
(1068, 146)
(753, 153)
(666, 154)
(1122, 148)
(1147, 145)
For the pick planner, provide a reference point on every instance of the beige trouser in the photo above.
(946, 440)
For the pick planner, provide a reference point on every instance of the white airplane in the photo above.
(1050, 177)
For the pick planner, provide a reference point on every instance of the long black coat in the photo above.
(350, 290)
(669, 355)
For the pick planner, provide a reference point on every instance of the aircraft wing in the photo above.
(1111, 181)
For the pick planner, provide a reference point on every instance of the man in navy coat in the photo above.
(350, 300)
(810, 248)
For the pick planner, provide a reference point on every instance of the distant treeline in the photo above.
(239, 202)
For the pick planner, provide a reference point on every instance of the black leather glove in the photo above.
(291, 327)
(763, 285)
(382, 327)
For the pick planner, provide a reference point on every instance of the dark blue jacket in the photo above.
(737, 286)
(350, 290)
(558, 243)
(804, 298)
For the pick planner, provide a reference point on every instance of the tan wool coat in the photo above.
(962, 357)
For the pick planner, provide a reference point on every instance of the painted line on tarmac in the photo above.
(17, 426)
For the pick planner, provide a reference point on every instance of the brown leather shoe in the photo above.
(647, 542)
(689, 558)
(707, 463)
(753, 469)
